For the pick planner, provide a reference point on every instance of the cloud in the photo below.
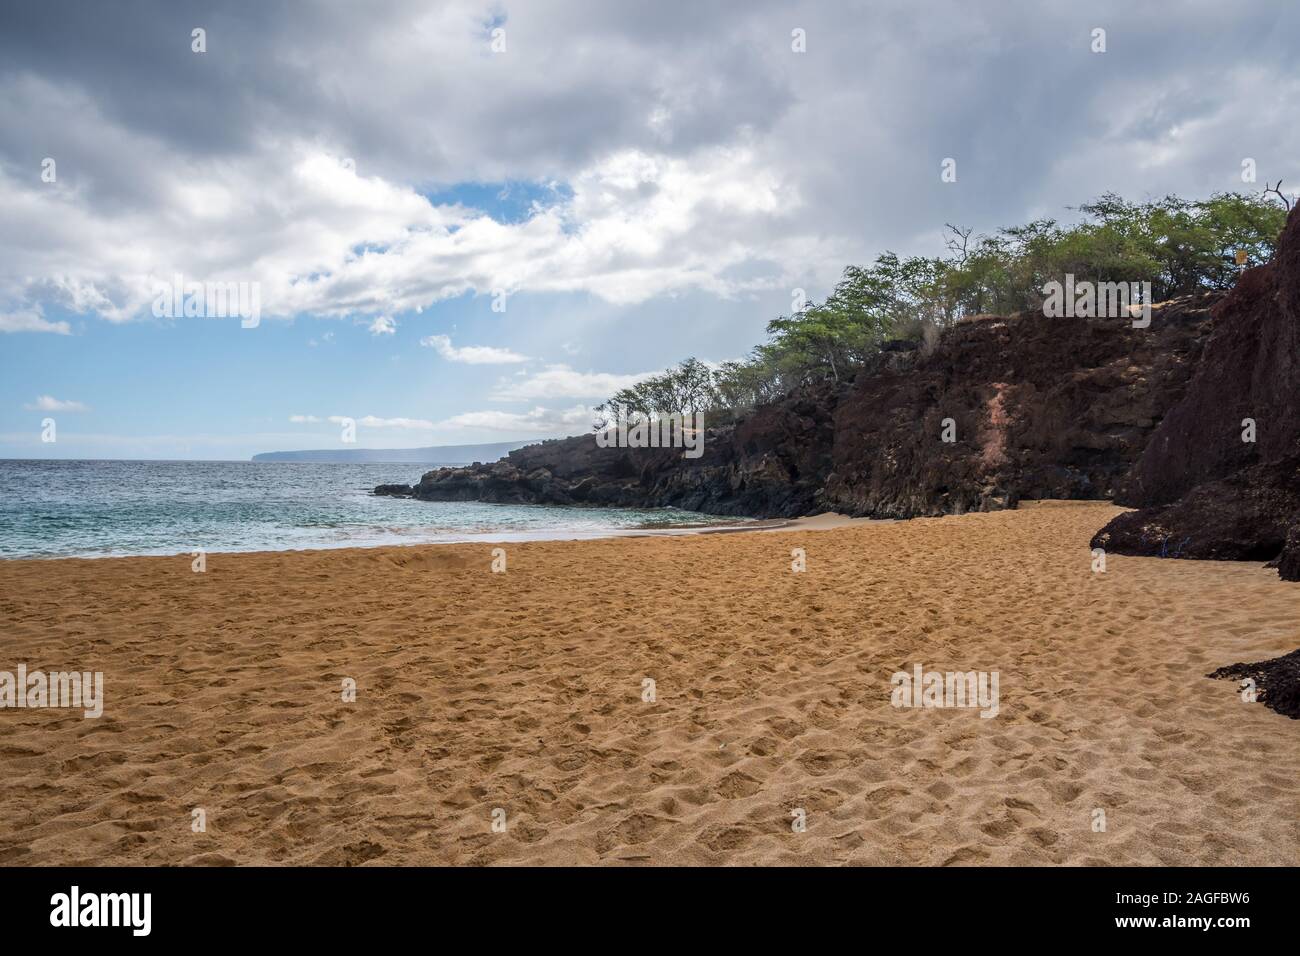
(319, 239)
(372, 421)
(571, 421)
(367, 421)
(48, 403)
(31, 320)
(472, 354)
(674, 155)
(561, 381)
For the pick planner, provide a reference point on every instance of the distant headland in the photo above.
(432, 455)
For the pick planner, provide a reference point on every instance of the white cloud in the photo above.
(48, 403)
(561, 381)
(692, 158)
(372, 421)
(31, 320)
(691, 153)
(472, 354)
(571, 421)
(637, 225)
(367, 421)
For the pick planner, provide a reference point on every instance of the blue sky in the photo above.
(648, 182)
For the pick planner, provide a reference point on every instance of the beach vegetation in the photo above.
(1179, 246)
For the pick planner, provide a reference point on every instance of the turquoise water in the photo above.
(102, 508)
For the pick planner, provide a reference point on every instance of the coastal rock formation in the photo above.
(1035, 407)
(1220, 477)
(1039, 407)
(1277, 682)
(770, 464)
(1247, 516)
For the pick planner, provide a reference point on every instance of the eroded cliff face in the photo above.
(1202, 490)
(1040, 408)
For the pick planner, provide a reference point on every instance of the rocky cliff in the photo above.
(1193, 421)
(1040, 407)
(772, 463)
(1036, 407)
(1220, 476)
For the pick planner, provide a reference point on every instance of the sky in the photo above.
(470, 222)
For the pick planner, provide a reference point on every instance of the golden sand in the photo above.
(523, 691)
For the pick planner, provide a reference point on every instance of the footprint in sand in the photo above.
(738, 784)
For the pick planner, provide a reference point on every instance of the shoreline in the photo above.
(824, 521)
(821, 522)
(525, 691)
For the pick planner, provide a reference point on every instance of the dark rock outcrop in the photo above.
(1202, 490)
(1042, 408)
(770, 464)
(394, 491)
(1244, 517)
(1277, 682)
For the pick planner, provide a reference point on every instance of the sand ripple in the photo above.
(523, 691)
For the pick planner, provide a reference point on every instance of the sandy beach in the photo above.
(523, 691)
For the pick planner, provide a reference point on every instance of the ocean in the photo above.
(107, 508)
